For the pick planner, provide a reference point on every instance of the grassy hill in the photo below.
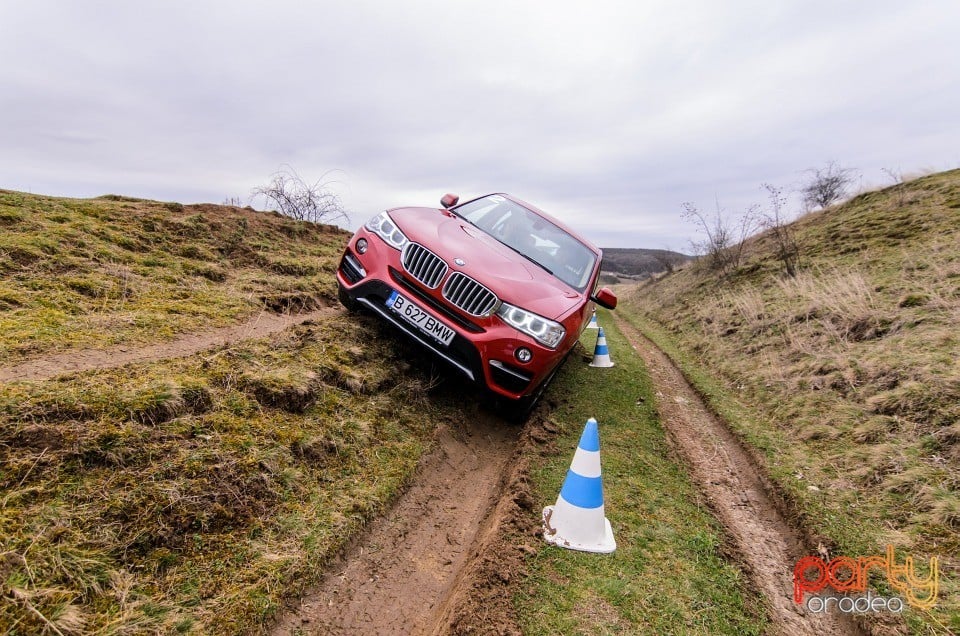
(89, 272)
(191, 494)
(847, 376)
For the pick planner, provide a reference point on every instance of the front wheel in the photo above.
(346, 300)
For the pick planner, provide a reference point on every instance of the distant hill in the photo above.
(640, 263)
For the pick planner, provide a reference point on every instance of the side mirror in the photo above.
(449, 200)
(605, 298)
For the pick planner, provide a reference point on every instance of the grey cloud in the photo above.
(607, 115)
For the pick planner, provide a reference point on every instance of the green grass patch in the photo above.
(669, 573)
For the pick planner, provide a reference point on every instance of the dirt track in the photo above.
(260, 325)
(766, 544)
(397, 577)
(415, 572)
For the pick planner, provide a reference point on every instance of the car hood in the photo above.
(509, 275)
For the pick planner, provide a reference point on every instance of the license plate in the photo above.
(417, 317)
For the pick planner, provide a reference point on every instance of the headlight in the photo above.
(384, 227)
(547, 332)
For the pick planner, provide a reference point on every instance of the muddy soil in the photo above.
(765, 542)
(398, 576)
(49, 366)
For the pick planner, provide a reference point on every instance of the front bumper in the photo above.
(482, 349)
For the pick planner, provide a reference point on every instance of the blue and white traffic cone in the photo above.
(601, 355)
(593, 324)
(577, 520)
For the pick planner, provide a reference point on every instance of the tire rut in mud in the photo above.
(49, 366)
(765, 542)
(398, 576)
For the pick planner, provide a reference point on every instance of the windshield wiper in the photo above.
(531, 259)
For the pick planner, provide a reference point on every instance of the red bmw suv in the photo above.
(495, 287)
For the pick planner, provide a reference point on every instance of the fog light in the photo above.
(523, 354)
(362, 246)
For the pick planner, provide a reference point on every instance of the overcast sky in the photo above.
(608, 115)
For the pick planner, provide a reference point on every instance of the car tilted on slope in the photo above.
(495, 287)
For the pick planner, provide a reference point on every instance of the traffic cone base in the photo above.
(599, 540)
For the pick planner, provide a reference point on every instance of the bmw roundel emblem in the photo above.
(460, 262)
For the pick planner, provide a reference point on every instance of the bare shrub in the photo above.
(288, 194)
(775, 220)
(826, 186)
(667, 259)
(725, 236)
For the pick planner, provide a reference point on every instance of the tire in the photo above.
(346, 300)
(518, 411)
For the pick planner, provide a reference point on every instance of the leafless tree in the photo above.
(725, 237)
(825, 186)
(290, 195)
(774, 219)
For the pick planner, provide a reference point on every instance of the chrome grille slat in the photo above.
(469, 295)
(452, 288)
(472, 299)
(424, 265)
(437, 270)
(460, 290)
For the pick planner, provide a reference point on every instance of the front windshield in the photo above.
(534, 237)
